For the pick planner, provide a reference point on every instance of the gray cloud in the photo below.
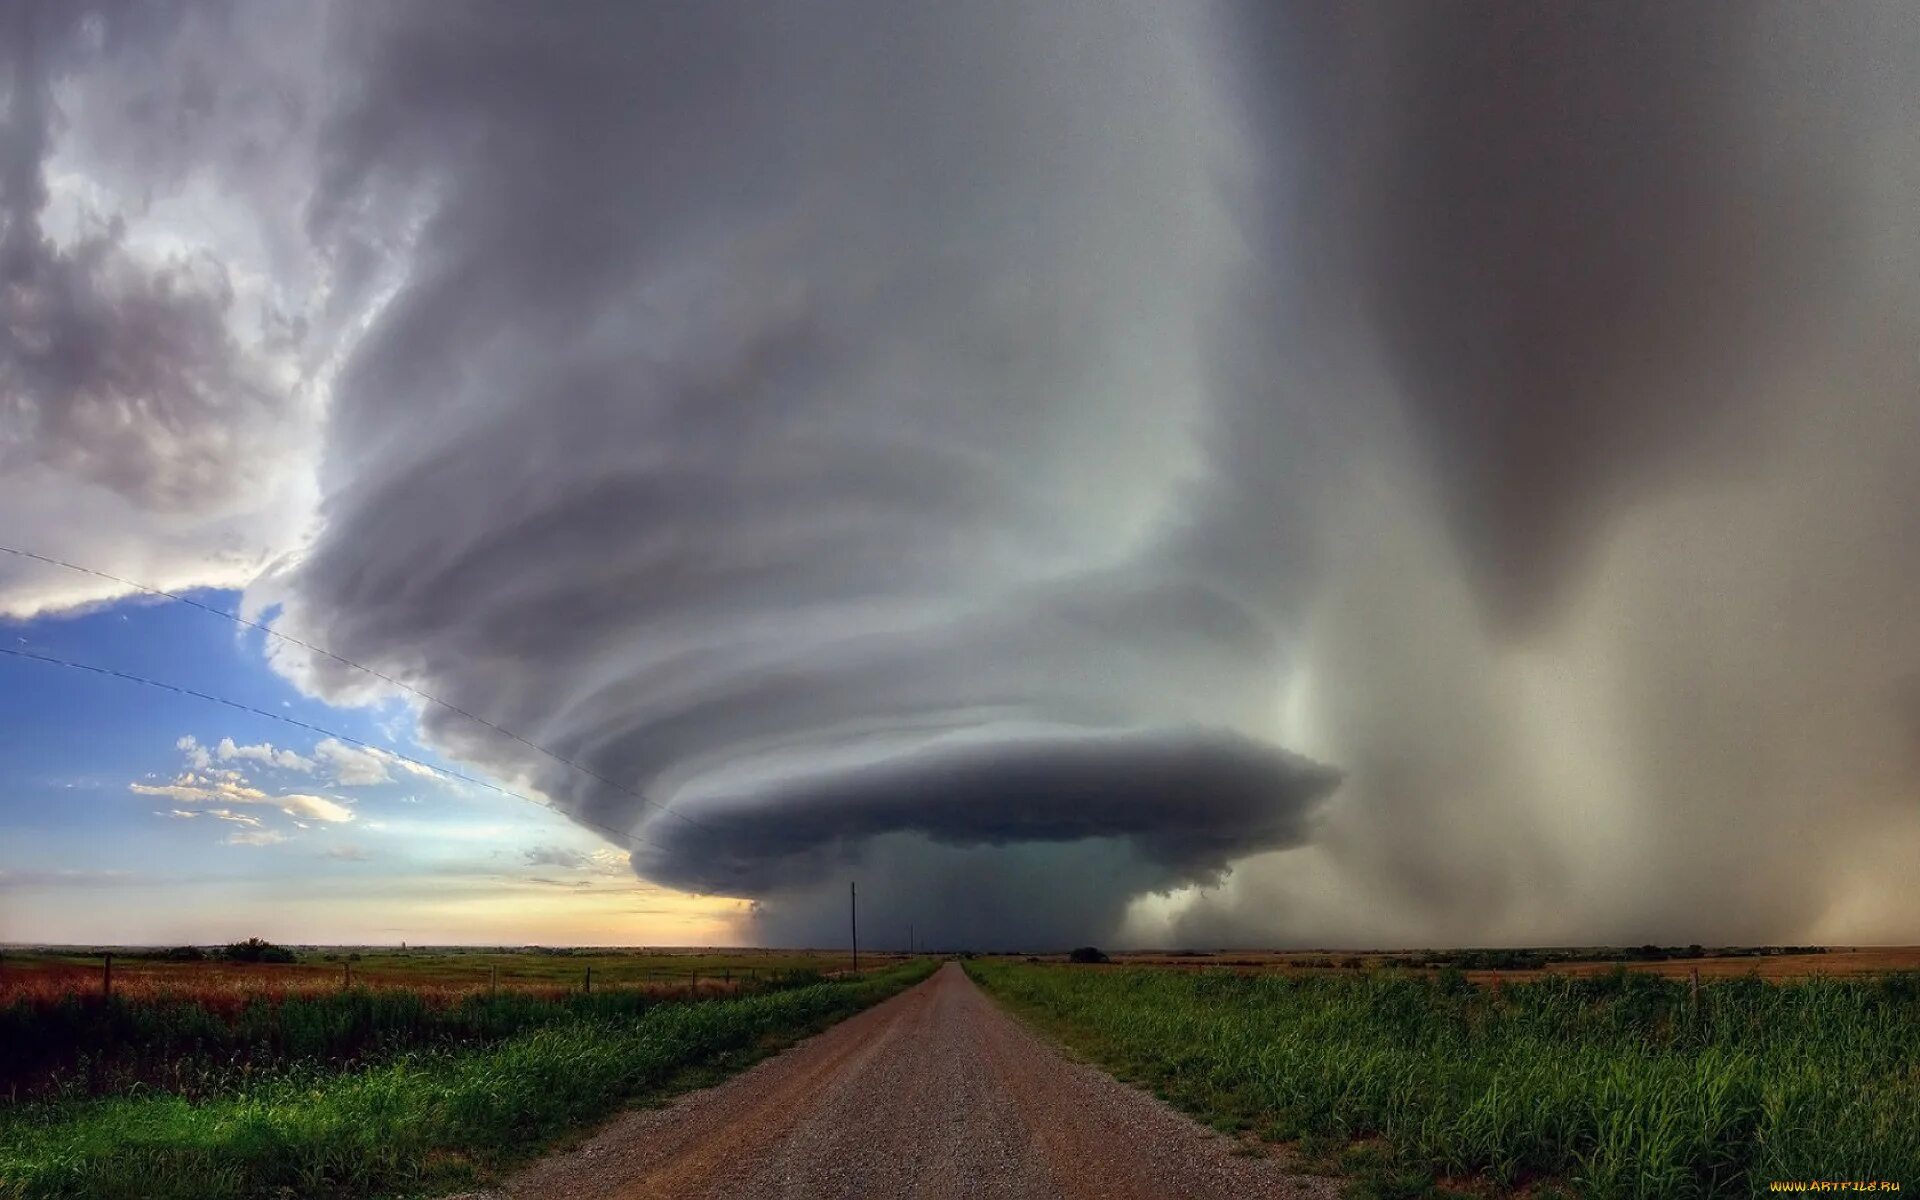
(775, 385)
(113, 370)
(771, 399)
(152, 359)
(1189, 804)
(1596, 310)
(555, 856)
(963, 444)
(1582, 237)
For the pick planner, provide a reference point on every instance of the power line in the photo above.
(624, 836)
(290, 640)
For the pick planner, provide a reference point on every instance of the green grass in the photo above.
(1608, 1086)
(197, 1044)
(428, 1122)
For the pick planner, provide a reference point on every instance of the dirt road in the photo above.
(935, 1093)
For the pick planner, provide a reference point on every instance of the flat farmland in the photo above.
(421, 1074)
(73, 1023)
(1767, 963)
(1587, 1079)
(1574, 1071)
(139, 971)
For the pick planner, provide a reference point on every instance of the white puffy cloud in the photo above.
(319, 808)
(352, 766)
(196, 753)
(190, 788)
(365, 766)
(264, 752)
(226, 787)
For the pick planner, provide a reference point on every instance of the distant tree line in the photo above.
(253, 950)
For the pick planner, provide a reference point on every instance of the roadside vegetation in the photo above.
(369, 1091)
(1617, 1085)
(202, 1042)
(259, 967)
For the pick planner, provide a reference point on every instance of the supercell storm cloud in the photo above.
(1103, 471)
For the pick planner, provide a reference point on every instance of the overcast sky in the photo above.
(1136, 473)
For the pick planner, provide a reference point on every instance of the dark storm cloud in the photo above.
(1594, 309)
(1576, 234)
(775, 396)
(1189, 804)
(1509, 406)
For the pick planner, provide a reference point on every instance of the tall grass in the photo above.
(196, 1042)
(433, 1119)
(1616, 1086)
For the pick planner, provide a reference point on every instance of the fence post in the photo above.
(346, 977)
(106, 978)
(589, 986)
(1694, 995)
(493, 980)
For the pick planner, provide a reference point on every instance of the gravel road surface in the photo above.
(935, 1093)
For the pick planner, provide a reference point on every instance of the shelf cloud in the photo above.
(1260, 473)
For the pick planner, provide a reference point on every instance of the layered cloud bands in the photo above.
(777, 419)
(951, 445)
(982, 447)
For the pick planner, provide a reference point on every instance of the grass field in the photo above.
(137, 971)
(1611, 1085)
(1674, 963)
(378, 1090)
(197, 1028)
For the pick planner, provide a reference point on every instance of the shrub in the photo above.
(255, 950)
(1087, 954)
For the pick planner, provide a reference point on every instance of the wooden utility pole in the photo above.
(853, 900)
(106, 978)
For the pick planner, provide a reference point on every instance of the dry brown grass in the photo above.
(49, 977)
